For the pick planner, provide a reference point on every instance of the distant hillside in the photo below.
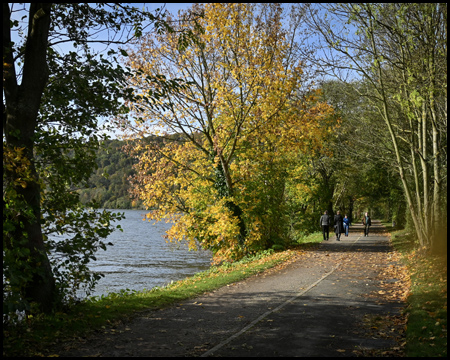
(109, 184)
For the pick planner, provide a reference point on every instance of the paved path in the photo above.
(313, 307)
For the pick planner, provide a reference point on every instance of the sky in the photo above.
(20, 13)
(171, 7)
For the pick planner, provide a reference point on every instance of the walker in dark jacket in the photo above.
(338, 225)
(367, 222)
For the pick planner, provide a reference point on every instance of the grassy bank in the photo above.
(40, 335)
(426, 332)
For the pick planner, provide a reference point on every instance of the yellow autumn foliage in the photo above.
(233, 133)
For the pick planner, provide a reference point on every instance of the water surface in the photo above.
(141, 258)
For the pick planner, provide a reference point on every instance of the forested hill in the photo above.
(109, 184)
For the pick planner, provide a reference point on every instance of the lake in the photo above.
(141, 258)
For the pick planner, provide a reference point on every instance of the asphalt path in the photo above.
(315, 306)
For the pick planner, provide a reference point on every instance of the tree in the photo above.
(51, 104)
(221, 175)
(365, 175)
(400, 50)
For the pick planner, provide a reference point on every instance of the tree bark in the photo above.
(19, 125)
(387, 119)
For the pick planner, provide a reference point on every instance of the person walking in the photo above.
(325, 224)
(347, 224)
(367, 222)
(338, 225)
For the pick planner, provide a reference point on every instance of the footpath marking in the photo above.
(267, 313)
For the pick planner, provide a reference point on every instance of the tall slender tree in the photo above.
(401, 51)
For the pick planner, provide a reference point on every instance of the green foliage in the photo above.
(17, 269)
(80, 231)
(52, 134)
(401, 53)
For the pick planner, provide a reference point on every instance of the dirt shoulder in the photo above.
(337, 299)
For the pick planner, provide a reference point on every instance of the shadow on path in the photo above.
(314, 306)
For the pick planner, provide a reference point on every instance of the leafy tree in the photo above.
(400, 50)
(51, 104)
(363, 170)
(236, 128)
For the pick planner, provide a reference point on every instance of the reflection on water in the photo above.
(140, 257)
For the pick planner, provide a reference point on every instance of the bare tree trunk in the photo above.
(423, 153)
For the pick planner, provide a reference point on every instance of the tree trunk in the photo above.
(350, 208)
(387, 118)
(224, 186)
(19, 125)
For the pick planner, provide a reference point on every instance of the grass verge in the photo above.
(308, 240)
(38, 336)
(426, 332)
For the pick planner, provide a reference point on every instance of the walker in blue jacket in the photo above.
(346, 224)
